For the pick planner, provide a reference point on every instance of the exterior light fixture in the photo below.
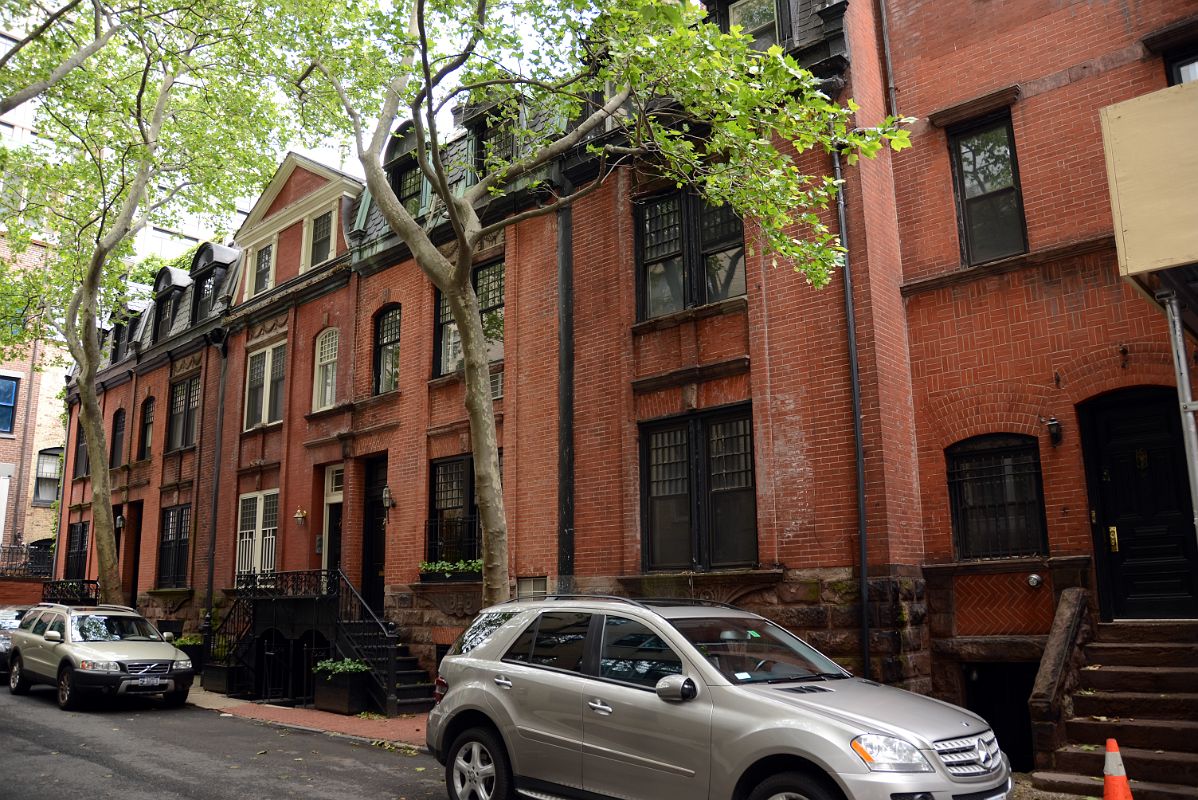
(118, 522)
(1054, 430)
(388, 502)
(300, 516)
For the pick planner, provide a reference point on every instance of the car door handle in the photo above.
(501, 680)
(599, 707)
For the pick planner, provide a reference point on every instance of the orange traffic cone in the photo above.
(1114, 776)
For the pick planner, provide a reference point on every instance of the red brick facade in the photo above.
(946, 352)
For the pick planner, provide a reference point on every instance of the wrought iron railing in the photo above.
(25, 561)
(301, 583)
(362, 635)
(230, 643)
(72, 592)
(453, 539)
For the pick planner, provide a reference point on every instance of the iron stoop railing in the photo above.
(359, 633)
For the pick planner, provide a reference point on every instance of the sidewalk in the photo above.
(403, 731)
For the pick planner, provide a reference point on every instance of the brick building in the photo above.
(672, 429)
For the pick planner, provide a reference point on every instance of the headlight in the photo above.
(100, 666)
(888, 754)
(183, 663)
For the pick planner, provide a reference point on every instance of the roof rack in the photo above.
(115, 607)
(643, 602)
(555, 596)
(686, 601)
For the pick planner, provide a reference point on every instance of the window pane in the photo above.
(635, 654)
(411, 184)
(721, 224)
(725, 273)
(452, 357)
(996, 497)
(521, 649)
(8, 403)
(278, 362)
(757, 17)
(387, 353)
(262, 269)
(1187, 71)
(985, 159)
(995, 226)
(662, 228)
(669, 499)
(256, 382)
(560, 640)
(663, 284)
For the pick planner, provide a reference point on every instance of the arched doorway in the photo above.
(1146, 556)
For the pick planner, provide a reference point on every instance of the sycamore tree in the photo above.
(640, 84)
(173, 116)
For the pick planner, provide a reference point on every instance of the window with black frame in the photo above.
(996, 497)
(8, 403)
(1183, 68)
(204, 295)
(453, 532)
(164, 314)
(76, 563)
(82, 463)
(690, 253)
(172, 547)
(184, 412)
(411, 187)
(986, 180)
(489, 287)
(700, 505)
(116, 454)
(145, 442)
(386, 349)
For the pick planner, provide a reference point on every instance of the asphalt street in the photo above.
(137, 750)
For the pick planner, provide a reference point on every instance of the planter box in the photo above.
(450, 577)
(344, 693)
(223, 679)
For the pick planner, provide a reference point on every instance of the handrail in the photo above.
(232, 639)
(365, 645)
(1058, 673)
(72, 591)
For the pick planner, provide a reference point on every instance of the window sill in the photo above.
(262, 427)
(180, 450)
(459, 376)
(1000, 565)
(177, 593)
(733, 305)
(337, 408)
(8, 436)
(41, 503)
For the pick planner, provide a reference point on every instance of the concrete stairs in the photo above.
(1139, 686)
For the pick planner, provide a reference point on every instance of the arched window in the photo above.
(116, 448)
(324, 382)
(997, 497)
(145, 441)
(49, 473)
(386, 350)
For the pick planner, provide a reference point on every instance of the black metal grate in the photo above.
(996, 496)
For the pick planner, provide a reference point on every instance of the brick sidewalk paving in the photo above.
(405, 730)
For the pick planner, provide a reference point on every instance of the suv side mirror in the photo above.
(53, 636)
(168, 637)
(676, 688)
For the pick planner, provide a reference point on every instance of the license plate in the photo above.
(149, 681)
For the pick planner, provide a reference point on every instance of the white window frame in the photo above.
(252, 267)
(334, 493)
(306, 239)
(256, 543)
(323, 366)
(270, 352)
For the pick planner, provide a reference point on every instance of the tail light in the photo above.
(440, 687)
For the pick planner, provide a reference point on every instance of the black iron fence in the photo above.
(72, 592)
(25, 561)
(456, 539)
(300, 583)
(361, 634)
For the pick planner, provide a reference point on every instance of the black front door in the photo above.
(1145, 550)
(374, 535)
(333, 538)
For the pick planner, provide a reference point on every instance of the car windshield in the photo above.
(754, 650)
(103, 628)
(9, 620)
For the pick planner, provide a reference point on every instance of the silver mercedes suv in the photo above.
(604, 697)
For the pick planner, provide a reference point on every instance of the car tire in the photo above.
(478, 767)
(17, 682)
(792, 786)
(68, 694)
(175, 699)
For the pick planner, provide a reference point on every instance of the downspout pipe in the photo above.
(218, 337)
(891, 91)
(565, 389)
(858, 434)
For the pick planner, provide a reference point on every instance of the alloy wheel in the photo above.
(64, 689)
(14, 674)
(474, 773)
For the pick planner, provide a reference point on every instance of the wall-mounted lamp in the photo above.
(300, 516)
(1054, 430)
(388, 502)
(119, 522)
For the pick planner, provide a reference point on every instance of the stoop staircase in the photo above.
(1139, 686)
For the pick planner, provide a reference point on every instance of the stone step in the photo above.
(1142, 655)
(415, 691)
(1136, 705)
(415, 705)
(1146, 734)
(1090, 786)
(1152, 766)
(408, 677)
(1140, 679)
(1178, 632)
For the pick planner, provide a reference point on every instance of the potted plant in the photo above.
(341, 685)
(193, 645)
(470, 569)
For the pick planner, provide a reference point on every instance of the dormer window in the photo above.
(204, 295)
(164, 315)
(263, 268)
(322, 239)
(119, 343)
(411, 188)
(757, 18)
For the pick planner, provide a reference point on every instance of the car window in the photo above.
(39, 627)
(106, 628)
(755, 650)
(28, 620)
(634, 653)
(479, 631)
(556, 639)
(60, 625)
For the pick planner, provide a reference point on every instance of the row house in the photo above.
(917, 468)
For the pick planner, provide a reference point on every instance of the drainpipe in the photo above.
(565, 389)
(891, 91)
(858, 435)
(21, 492)
(218, 337)
(1189, 409)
